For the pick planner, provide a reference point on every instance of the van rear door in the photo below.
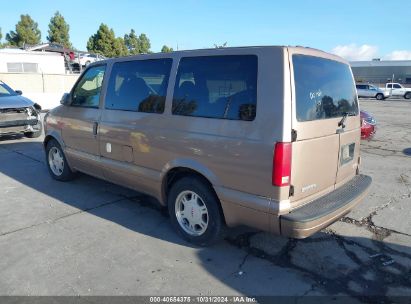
(324, 100)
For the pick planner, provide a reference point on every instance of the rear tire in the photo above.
(195, 211)
(407, 95)
(57, 163)
(379, 96)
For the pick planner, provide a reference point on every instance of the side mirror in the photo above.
(18, 92)
(66, 99)
(37, 107)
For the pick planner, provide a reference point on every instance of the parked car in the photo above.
(86, 58)
(370, 91)
(397, 90)
(219, 136)
(368, 125)
(18, 114)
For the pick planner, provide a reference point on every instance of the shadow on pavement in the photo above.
(267, 265)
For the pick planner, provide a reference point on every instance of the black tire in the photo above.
(379, 96)
(35, 134)
(407, 95)
(215, 225)
(66, 174)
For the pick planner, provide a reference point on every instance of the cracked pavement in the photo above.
(90, 237)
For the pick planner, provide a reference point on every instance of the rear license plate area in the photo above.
(347, 153)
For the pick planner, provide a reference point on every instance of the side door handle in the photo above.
(95, 128)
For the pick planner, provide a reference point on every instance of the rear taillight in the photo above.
(282, 164)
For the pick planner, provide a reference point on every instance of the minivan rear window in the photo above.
(324, 88)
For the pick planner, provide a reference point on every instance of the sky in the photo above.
(356, 30)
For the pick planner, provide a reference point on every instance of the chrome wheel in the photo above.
(191, 213)
(56, 161)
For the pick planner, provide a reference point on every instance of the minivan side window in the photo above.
(223, 87)
(87, 91)
(139, 85)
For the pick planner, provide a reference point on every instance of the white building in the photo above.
(40, 75)
(20, 61)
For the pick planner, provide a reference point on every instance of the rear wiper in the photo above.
(344, 117)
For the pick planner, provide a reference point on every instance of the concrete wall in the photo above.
(45, 89)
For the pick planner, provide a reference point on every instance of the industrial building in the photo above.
(380, 72)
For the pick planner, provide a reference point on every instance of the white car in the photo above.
(87, 58)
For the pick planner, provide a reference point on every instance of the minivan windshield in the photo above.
(324, 88)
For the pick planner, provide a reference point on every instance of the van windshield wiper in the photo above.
(344, 117)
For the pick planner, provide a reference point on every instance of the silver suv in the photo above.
(370, 91)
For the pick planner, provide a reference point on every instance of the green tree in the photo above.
(137, 45)
(59, 30)
(166, 49)
(144, 44)
(132, 43)
(104, 42)
(27, 32)
(120, 47)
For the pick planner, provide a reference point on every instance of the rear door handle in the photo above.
(95, 128)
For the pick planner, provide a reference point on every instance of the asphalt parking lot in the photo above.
(89, 237)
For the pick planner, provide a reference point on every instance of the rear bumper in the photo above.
(324, 211)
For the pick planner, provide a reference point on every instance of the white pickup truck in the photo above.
(397, 90)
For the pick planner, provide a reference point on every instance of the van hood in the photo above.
(15, 101)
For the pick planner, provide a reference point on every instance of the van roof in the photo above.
(293, 49)
(241, 48)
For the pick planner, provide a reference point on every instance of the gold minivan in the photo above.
(267, 137)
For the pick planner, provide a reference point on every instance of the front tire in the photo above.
(407, 95)
(57, 163)
(195, 211)
(379, 96)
